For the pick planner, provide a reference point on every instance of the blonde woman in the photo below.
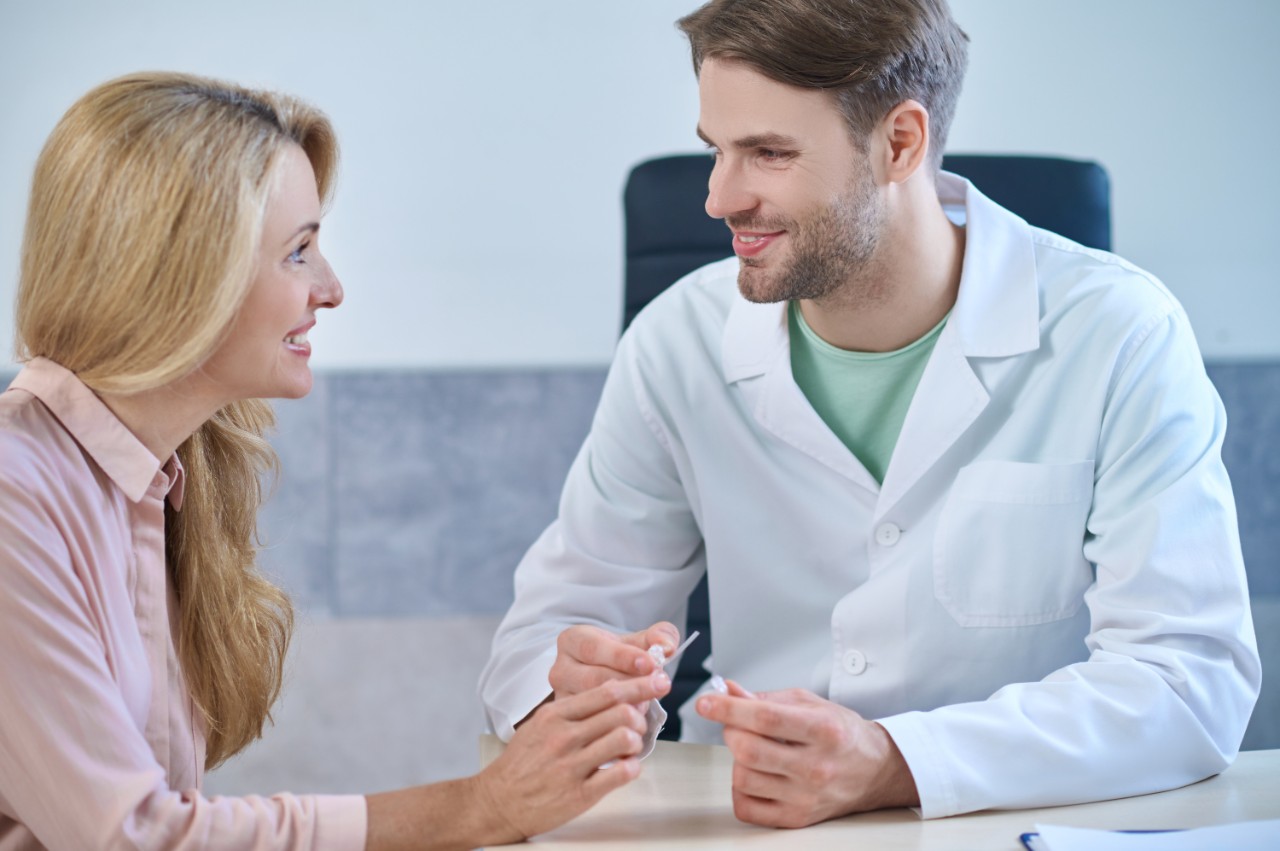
(170, 272)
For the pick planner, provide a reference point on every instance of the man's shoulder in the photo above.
(1072, 275)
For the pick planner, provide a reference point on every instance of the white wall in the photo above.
(485, 145)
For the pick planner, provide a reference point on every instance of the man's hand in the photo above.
(800, 759)
(587, 656)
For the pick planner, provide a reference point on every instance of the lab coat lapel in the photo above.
(996, 314)
(756, 346)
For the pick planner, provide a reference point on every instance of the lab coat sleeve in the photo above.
(1172, 673)
(623, 554)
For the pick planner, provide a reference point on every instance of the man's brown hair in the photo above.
(870, 54)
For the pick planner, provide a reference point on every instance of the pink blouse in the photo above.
(100, 745)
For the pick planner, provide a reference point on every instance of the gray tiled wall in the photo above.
(406, 501)
(1251, 394)
(416, 493)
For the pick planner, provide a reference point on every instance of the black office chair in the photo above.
(669, 234)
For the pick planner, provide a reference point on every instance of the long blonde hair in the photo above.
(146, 210)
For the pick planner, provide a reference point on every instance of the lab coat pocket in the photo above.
(1010, 544)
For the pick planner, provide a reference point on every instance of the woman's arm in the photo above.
(77, 772)
(549, 773)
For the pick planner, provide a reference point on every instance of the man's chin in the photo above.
(757, 286)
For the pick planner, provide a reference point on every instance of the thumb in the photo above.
(663, 633)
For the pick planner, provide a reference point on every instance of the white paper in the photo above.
(1242, 836)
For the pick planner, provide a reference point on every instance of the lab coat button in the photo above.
(887, 534)
(854, 662)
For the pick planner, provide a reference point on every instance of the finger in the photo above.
(567, 736)
(761, 753)
(614, 692)
(792, 697)
(605, 780)
(613, 745)
(736, 689)
(764, 717)
(664, 634)
(591, 646)
(569, 677)
(759, 784)
(761, 811)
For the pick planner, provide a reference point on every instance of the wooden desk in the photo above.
(682, 800)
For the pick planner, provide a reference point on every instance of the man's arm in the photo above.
(1163, 699)
(622, 556)
(1173, 672)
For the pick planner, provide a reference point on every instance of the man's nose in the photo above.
(728, 191)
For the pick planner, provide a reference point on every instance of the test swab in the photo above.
(659, 656)
(660, 660)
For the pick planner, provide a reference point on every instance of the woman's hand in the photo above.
(550, 772)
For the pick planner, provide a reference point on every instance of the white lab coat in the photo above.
(1044, 603)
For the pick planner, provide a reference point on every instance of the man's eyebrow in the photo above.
(756, 140)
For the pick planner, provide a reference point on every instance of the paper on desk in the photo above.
(1242, 836)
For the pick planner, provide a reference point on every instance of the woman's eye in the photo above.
(296, 255)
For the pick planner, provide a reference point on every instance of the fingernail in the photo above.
(704, 706)
(661, 680)
(642, 664)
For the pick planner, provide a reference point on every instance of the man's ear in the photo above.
(905, 131)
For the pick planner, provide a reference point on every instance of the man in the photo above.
(959, 477)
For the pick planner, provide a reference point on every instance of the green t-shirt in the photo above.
(862, 396)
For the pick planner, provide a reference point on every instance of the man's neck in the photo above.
(905, 290)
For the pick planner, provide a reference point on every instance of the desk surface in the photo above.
(682, 800)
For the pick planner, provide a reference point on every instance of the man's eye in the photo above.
(770, 154)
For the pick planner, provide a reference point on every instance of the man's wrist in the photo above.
(895, 786)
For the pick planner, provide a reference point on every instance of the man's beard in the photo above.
(830, 249)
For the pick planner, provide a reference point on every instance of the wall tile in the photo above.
(1251, 394)
(370, 705)
(442, 481)
(1264, 727)
(296, 524)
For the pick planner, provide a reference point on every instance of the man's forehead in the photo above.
(741, 107)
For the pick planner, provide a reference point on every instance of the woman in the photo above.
(170, 272)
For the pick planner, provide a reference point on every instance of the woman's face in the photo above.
(265, 353)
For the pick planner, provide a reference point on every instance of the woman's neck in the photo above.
(166, 416)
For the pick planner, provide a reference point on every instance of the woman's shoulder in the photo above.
(37, 454)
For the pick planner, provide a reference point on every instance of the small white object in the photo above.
(854, 662)
(887, 534)
(659, 656)
(717, 684)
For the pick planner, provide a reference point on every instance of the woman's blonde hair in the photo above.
(146, 211)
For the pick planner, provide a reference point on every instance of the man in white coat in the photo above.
(955, 481)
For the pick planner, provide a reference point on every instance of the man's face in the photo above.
(789, 182)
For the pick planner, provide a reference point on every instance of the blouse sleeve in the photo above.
(74, 768)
